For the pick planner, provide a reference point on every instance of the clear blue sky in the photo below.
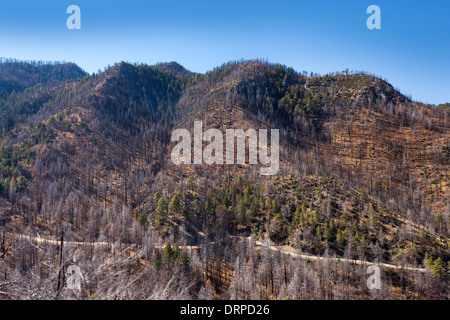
(412, 50)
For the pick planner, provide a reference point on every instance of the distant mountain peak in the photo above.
(18, 75)
(174, 68)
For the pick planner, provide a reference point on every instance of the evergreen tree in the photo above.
(298, 217)
(156, 262)
(304, 207)
(142, 220)
(157, 195)
(275, 207)
(196, 206)
(209, 208)
(176, 251)
(241, 212)
(175, 204)
(184, 261)
(167, 254)
(161, 208)
(438, 267)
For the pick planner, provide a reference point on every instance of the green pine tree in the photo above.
(184, 261)
(167, 254)
(156, 262)
(175, 204)
(142, 220)
(176, 251)
(275, 207)
(161, 208)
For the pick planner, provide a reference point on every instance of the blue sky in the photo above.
(412, 49)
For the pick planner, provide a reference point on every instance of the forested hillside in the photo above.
(86, 179)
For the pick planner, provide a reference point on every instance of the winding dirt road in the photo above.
(40, 240)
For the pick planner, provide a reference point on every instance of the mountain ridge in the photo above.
(363, 169)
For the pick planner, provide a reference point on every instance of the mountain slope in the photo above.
(20, 75)
(363, 170)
